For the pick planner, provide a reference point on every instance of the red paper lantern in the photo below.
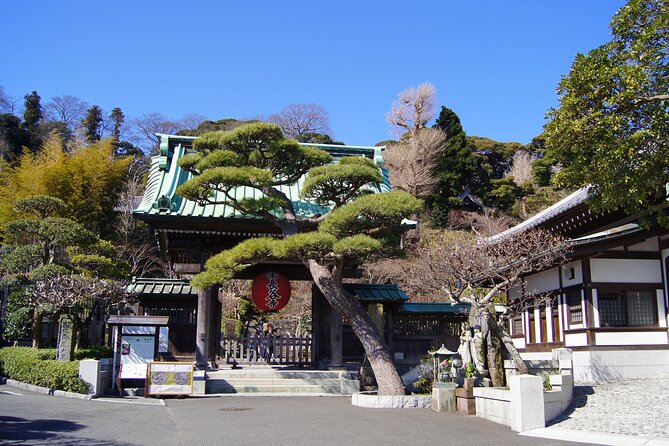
(270, 291)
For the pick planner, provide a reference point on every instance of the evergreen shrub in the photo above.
(38, 367)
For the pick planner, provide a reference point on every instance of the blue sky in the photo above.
(496, 63)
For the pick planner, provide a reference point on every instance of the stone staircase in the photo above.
(281, 381)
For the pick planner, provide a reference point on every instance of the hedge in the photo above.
(39, 367)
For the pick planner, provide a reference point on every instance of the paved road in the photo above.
(41, 419)
(638, 407)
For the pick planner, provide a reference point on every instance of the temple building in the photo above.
(608, 304)
(188, 234)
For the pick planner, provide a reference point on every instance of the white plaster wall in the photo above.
(651, 244)
(578, 274)
(519, 343)
(575, 339)
(626, 270)
(631, 338)
(537, 356)
(612, 365)
(544, 281)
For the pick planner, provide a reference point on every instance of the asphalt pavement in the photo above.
(28, 418)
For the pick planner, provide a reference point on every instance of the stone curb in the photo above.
(584, 436)
(45, 390)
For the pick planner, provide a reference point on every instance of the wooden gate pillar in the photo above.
(204, 329)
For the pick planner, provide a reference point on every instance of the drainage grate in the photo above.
(234, 409)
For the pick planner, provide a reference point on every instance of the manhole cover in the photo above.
(234, 409)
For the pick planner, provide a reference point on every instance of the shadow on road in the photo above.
(48, 431)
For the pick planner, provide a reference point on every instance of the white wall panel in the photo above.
(626, 270)
(631, 338)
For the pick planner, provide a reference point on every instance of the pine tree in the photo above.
(93, 124)
(32, 113)
(456, 168)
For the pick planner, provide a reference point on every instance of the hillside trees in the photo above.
(88, 179)
(610, 128)
(299, 120)
(259, 157)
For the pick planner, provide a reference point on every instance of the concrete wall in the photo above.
(525, 405)
(610, 365)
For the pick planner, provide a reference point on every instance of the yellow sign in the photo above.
(169, 378)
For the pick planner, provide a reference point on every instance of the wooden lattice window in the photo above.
(627, 308)
(518, 325)
(575, 304)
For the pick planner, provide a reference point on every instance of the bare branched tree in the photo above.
(146, 127)
(300, 119)
(413, 109)
(68, 109)
(521, 168)
(412, 162)
(78, 296)
(466, 270)
(8, 104)
(134, 247)
(191, 121)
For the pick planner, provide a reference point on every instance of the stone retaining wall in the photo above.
(373, 401)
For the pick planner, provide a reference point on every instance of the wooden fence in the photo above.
(267, 349)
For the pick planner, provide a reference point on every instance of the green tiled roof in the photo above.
(434, 308)
(161, 287)
(376, 293)
(165, 176)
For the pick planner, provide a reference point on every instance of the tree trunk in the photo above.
(508, 343)
(37, 329)
(377, 350)
(494, 363)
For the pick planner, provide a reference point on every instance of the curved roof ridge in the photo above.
(567, 203)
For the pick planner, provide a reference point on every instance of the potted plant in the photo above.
(470, 374)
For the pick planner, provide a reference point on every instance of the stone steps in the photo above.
(280, 381)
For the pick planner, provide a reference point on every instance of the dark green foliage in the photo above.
(117, 117)
(357, 246)
(504, 193)
(213, 126)
(370, 214)
(40, 206)
(542, 171)
(93, 124)
(317, 138)
(247, 313)
(48, 271)
(95, 352)
(13, 137)
(32, 112)
(30, 366)
(456, 167)
(342, 182)
(610, 129)
(309, 245)
(18, 316)
(255, 155)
